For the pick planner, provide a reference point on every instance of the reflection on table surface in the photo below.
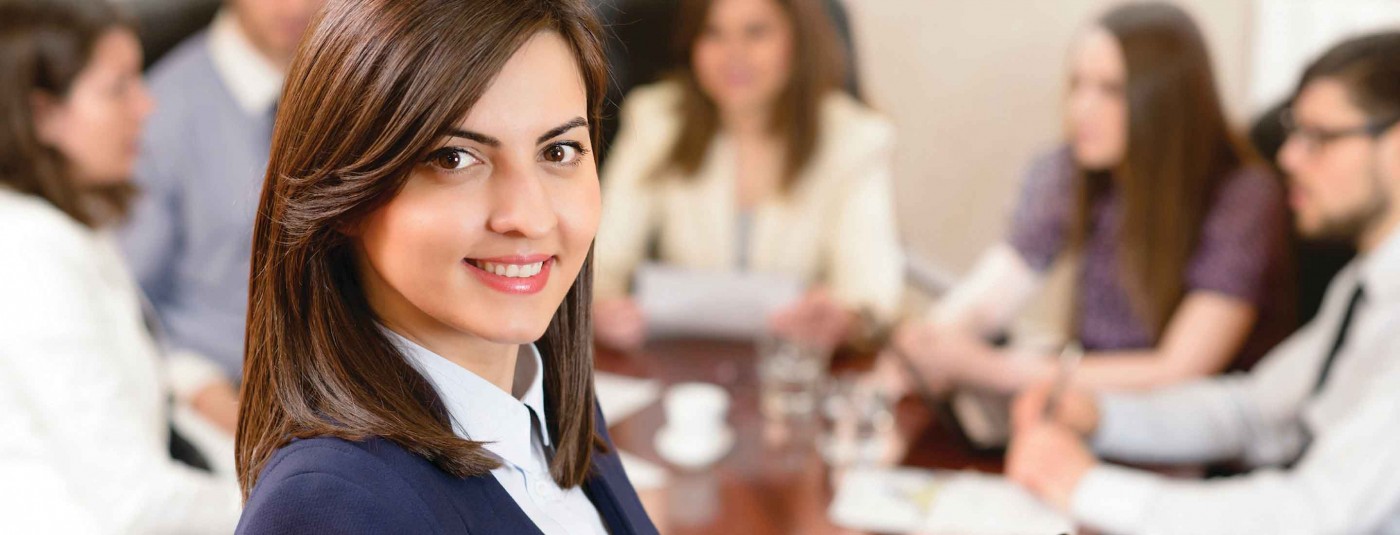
(774, 480)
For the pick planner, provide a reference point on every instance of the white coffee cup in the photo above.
(693, 408)
(696, 433)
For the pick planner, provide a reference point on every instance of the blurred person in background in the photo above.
(201, 166)
(85, 392)
(1177, 231)
(753, 159)
(1318, 418)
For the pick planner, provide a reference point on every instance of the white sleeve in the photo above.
(1252, 415)
(1345, 484)
(990, 296)
(1201, 421)
(866, 259)
(62, 349)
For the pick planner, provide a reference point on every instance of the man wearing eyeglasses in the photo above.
(1319, 418)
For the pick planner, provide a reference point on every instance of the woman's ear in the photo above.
(50, 118)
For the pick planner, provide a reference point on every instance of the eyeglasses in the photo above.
(1315, 139)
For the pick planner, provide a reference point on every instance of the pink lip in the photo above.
(513, 285)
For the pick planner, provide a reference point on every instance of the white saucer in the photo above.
(690, 451)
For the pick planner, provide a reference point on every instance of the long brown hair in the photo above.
(819, 67)
(1179, 149)
(44, 46)
(373, 86)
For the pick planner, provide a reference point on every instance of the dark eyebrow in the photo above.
(559, 130)
(479, 138)
(489, 141)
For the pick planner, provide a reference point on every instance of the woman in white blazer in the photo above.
(753, 159)
(84, 391)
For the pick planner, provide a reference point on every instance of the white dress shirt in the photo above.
(1348, 478)
(513, 427)
(84, 391)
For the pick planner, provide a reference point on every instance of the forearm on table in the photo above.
(1202, 421)
(1132, 371)
(991, 294)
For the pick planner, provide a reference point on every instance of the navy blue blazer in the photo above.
(329, 485)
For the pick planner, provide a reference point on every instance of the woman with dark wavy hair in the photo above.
(419, 346)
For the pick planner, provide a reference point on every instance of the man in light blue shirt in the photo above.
(203, 158)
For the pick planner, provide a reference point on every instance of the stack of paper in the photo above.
(966, 503)
(681, 302)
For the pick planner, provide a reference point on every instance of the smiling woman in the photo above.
(419, 355)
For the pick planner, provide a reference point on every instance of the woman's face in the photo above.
(97, 125)
(490, 231)
(1096, 112)
(743, 57)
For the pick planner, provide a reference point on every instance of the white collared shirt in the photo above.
(252, 79)
(1348, 479)
(513, 427)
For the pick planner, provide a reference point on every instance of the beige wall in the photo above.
(974, 88)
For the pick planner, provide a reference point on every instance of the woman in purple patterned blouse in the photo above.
(1178, 232)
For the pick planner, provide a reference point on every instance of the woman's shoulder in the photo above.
(357, 461)
(662, 95)
(653, 104)
(852, 121)
(41, 236)
(328, 484)
(1251, 182)
(1050, 175)
(31, 218)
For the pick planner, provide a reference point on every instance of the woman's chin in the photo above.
(522, 333)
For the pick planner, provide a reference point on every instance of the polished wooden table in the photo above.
(772, 482)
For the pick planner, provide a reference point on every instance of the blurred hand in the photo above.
(1077, 409)
(218, 403)
(1049, 459)
(816, 319)
(939, 353)
(618, 323)
(889, 376)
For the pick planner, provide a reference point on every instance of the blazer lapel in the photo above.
(600, 492)
(501, 514)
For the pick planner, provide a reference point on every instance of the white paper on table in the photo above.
(681, 302)
(643, 474)
(904, 500)
(621, 396)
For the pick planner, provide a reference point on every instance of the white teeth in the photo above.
(516, 271)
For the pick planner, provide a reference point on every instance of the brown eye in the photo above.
(562, 153)
(451, 159)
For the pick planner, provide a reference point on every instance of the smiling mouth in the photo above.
(514, 271)
(522, 275)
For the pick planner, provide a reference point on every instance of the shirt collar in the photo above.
(482, 412)
(254, 81)
(1377, 269)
